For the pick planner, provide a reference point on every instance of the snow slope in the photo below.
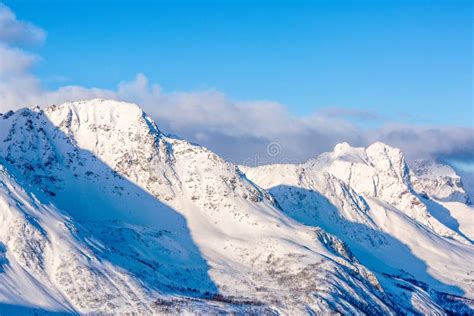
(367, 198)
(100, 212)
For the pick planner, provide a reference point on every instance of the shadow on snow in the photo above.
(398, 256)
(141, 234)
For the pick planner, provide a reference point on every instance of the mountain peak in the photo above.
(342, 147)
(98, 120)
(438, 180)
(376, 158)
(345, 152)
(115, 132)
(384, 149)
(385, 157)
(100, 110)
(345, 148)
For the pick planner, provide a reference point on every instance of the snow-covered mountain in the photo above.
(411, 225)
(100, 212)
(438, 181)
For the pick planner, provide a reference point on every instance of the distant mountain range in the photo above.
(101, 212)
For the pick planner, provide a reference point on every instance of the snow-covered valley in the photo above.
(101, 212)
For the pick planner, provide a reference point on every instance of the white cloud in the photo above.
(444, 142)
(241, 130)
(14, 61)
(16, 32)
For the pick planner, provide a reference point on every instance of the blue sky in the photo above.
(237, 77)
(408, 62)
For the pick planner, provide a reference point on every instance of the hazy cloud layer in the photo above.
(239, 131)
(350, 113)
(16, 32)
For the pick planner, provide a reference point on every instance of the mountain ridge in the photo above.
(348, 181)
(163, 225)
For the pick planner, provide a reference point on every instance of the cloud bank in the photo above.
(239, 131)
(18, 32)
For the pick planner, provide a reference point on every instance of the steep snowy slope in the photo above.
(366, 197)
(48, 264)
(457, 215)
(121, 218)
(442, 189)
